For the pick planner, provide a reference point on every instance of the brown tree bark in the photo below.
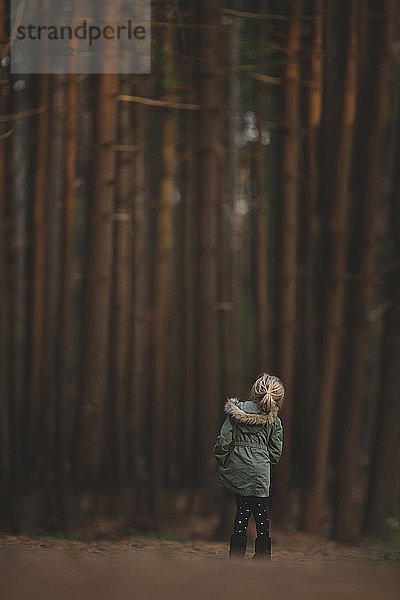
(233, 189)
(383, 497)
(98, 288)
(209, 169)
(308, 358)
(162, 284)
(121, 316)
(188, 301)
(38, 268)
(332, 334)
(77, 330)
(47, 452)
(373, 115)
(18, 199)
(260, 216)
(224, 305)
(287, 244)
(5, 133)
(140, 363)
(383, 489)
(63, 391)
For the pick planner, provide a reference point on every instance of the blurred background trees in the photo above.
(167, 237)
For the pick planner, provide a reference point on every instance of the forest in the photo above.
(167, 237)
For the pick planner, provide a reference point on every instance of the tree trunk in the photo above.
(383, 486)
(383, 496)
(332, 335)
(5, 134)
(48, 434)
(188, 302)
(140, 366)
(369, 170)
(63, 391)
(223, 237)
(260, 242)
(20, 173)
(287, 245)
(121, 316)
(209, 170)
(37, 362)
(308, 352)
(234, 193)
(98, 288)
(162, 285)
(83, 195)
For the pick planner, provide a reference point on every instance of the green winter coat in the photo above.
(249, 442)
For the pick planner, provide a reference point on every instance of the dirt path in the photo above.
(140, 568)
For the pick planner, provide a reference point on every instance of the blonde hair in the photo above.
(268, 393)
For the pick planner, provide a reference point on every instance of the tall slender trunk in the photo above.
(383, 488)
(331, 349)
(287, 243)
(98, 287)
(38, 270)
(232, 371)
(383, 492)
(63, 392)
(19, 197)
(140, 333)
(233, 190)
(311, 225)
(162, 286)
(260, 246)
(209, 168)
(223, 237)
(369, 149)
(5, 133)
(83, 193)
(189, 300)
(121, 315)
(47, 462)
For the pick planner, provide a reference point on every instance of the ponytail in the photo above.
(268, 392)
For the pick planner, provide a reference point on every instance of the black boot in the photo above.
(263, 548)
(237, 546)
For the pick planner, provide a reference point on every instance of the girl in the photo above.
(250, 440)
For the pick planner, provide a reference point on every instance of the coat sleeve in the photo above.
(222, 445)
(275, 443)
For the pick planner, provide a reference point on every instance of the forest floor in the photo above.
(139, 567)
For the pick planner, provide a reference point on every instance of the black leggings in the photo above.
(256, 506)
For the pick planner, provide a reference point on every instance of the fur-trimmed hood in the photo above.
(247, 417)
